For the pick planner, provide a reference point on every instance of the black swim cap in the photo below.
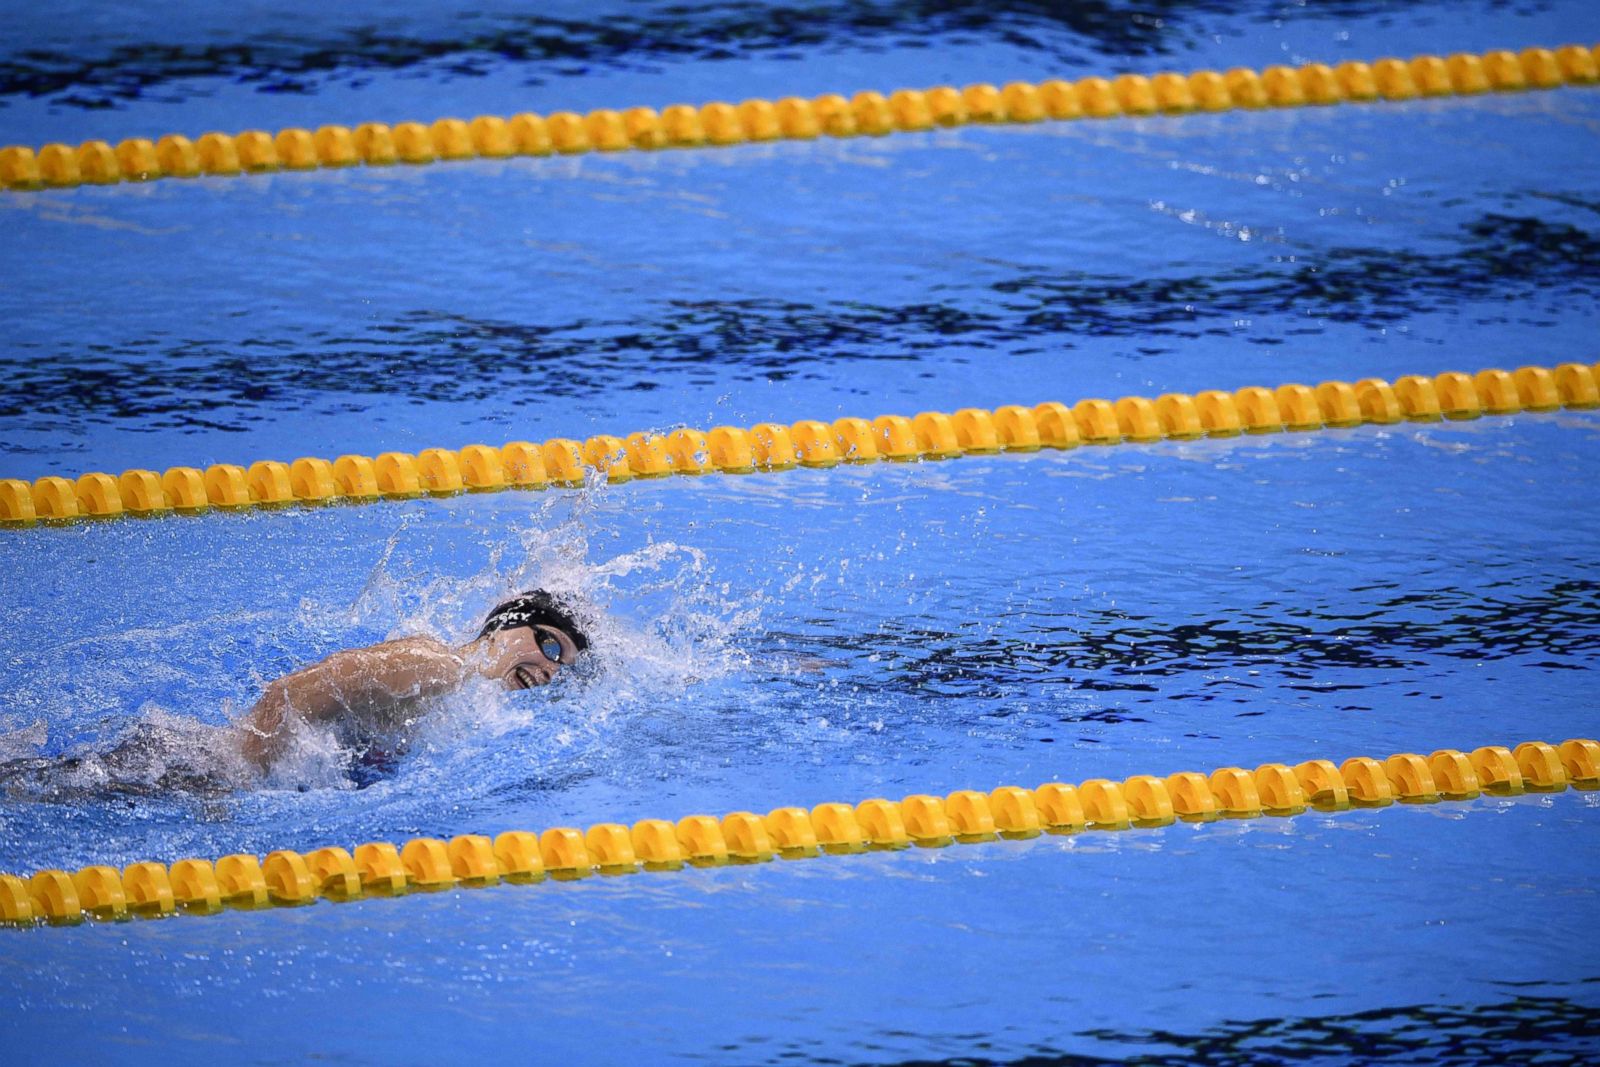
(533, 608)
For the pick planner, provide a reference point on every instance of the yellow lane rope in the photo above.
(379, 868)
(868, 112)
(771, 446)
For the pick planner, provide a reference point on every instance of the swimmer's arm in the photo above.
(348, 684)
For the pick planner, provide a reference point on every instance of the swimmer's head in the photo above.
(528, 638)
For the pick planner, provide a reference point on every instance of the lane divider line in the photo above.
(61, 165)
(771, 446)
(380, 868)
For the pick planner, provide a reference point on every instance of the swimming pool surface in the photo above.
(794, 638)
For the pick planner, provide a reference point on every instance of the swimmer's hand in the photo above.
(356, 683)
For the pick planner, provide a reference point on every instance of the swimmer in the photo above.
(366, 697)
(523, 643)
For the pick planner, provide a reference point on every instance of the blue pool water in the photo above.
(818, 635)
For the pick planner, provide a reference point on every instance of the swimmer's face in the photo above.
(529, 655)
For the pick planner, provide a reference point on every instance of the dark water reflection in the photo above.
(1556, 627)
(1520, 265)
(1522, 1030)
(285, 63)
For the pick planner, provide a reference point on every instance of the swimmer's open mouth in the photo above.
(524, 677)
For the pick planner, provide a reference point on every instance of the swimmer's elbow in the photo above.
(261, 732)
(258, 749)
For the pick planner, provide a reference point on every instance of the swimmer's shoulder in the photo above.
(416, 643)
(418, 665)
(348, 671)
(416, 646)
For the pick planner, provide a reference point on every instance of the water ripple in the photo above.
(1542, 266)
(1524, 1029)
(1110, 650)
(289, 63)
